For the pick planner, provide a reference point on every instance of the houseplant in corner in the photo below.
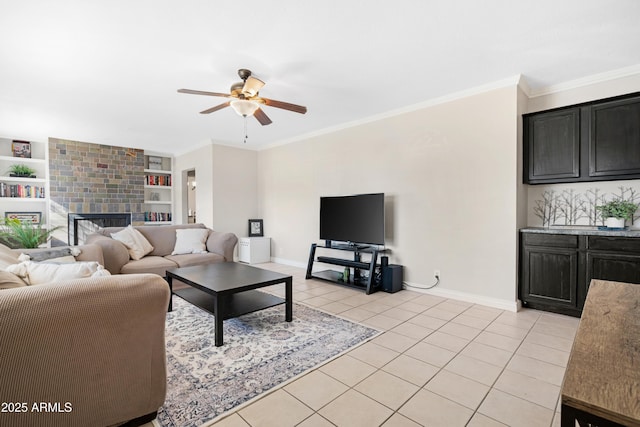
(616, 212)
(18, 234)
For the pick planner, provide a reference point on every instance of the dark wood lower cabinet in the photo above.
(551, 277)
(556, 269)
(549, 272)
(615, 267)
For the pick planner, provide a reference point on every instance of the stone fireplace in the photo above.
(93, 180)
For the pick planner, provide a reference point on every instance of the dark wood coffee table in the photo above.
(227, 290)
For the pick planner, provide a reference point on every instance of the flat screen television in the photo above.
(357, 219)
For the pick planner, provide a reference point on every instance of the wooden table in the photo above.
(227, 290)
(602, 382)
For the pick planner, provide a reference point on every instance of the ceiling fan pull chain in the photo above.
(245, 130)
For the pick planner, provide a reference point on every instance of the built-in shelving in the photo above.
(25, 196)
(158, 189)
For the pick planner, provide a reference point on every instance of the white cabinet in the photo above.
(25, 196)
(254, 250)
(158, 189)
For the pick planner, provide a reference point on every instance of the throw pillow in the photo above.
(37, 273)
(59, 260)
(62, 260)
(50, 254)
(9, 280)
(7, 257)
(137, 245)
(191, 241)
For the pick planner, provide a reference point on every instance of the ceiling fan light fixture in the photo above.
(252, 86)
(243, 107)
(244, 100)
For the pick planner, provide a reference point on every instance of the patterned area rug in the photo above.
(260, 351)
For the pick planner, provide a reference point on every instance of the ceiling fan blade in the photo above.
(201, 92)
(216, 108)
(262, 117)
(252, 86)
(285, 105)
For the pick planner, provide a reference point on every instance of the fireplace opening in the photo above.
(80, 224)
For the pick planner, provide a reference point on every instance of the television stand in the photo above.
(347, 247)
(367, 283)
(359, 246)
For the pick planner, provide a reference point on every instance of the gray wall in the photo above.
(94, 178)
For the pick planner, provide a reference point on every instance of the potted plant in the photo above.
(23, 234)
(22, 171)
(616, 212)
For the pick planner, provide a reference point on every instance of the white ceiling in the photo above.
(107, 71)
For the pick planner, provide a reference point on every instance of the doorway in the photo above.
(190, 192)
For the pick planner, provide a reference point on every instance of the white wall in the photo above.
(234, 190)
(200, 160)
(226, 194)
(449, 171)
(585, 190)
(522, 204)
(452, 174)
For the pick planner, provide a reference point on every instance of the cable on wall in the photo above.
(423, 287)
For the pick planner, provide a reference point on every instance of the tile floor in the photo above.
(440, 362)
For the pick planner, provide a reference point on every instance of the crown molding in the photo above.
(517, 80)
(524, 85)
(586, 81)
(194, 147)
(500, 84)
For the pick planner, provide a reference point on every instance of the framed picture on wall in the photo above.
(21, 149)
(255, 228)
(28, 217)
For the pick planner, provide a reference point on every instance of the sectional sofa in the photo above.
(219, 247)
(81, 352)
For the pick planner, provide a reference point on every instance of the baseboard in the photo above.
(289, 262)
(465, 296)
(441, 292)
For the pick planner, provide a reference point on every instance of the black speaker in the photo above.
(392, 277)
(384, 261)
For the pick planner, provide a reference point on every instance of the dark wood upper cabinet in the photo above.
(553, 145)
(594, 141)
(614, 143)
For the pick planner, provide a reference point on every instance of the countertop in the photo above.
(581, 231)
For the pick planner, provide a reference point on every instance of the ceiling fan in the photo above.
(244, 99)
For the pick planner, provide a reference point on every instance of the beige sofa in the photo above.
(220, 247)
(83, 352)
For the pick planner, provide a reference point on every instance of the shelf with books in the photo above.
(22, 191)
(158, 189)
(29, 194)
(157, 217)
(158, 181)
